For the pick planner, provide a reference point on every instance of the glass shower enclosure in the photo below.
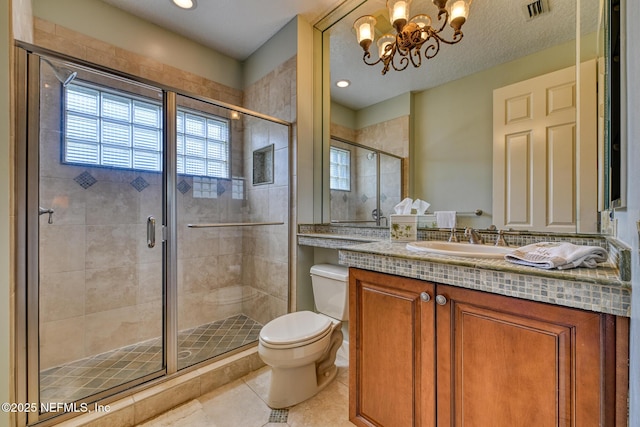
(156, 233)
(366, 183)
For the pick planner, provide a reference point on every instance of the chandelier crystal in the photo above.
(414, 37)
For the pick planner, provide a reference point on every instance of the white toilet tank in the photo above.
(331, 290)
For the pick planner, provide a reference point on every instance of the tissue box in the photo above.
(403, 228)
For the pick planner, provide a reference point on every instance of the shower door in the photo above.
(232, 228)
(156, 231)
(95, 191)
(365, 183)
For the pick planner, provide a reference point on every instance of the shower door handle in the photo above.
(151, 231)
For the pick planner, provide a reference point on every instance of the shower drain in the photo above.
(279, 416)
(184, 354)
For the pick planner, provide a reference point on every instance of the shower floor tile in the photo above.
(81, 378)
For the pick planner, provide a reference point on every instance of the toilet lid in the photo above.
(295, 328)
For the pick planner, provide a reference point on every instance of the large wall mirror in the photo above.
(439, 117)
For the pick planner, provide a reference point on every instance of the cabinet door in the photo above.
(391, 330)
(508, 362)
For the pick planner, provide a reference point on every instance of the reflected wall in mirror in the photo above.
(447, 101)
(365, 184)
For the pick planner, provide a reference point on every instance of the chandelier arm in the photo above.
(403, 62)
(444, 12)
(366, 56)
(416, 55)
(433, 46)
(456, 38)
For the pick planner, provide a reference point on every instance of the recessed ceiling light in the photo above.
(185, 4)
(343, 83)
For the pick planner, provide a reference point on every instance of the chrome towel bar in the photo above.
(233, 224)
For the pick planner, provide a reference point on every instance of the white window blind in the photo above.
(339, 169)
(104, 127)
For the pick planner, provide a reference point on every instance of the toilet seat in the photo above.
(295, 330)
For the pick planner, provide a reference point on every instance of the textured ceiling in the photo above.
(496, 32)
(233, 27)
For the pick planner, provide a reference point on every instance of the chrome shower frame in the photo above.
(26, 343)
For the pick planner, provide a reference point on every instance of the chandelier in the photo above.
(412, 35)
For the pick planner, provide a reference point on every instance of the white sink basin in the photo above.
(459, 249)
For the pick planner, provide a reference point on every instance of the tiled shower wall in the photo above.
(266, 255)
(361, 199)
(96, 297)
(392, 137)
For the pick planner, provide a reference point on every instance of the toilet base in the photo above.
(294, 385)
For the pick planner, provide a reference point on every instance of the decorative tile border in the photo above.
(593, 290)
(333, 242)
(372, 233)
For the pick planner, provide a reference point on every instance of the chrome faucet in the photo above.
(500, 239)
(377, 215)
(42, 211)
(473, 236)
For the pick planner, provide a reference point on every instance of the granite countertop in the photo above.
(605, 273)
(599, 289)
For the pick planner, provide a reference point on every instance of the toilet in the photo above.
(301, 347)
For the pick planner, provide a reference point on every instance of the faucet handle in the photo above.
(452, 236)
(500, 239)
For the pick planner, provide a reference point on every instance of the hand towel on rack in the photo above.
(560, 255)
(445, 219)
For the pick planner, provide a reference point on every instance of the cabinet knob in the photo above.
(441, 300)
(425, 297)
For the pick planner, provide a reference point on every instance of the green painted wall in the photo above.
(453, 132)
(279, 48)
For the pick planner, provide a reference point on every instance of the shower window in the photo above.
(203, 145)
(115, 129)
(340, 169)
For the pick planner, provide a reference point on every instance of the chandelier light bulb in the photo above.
(383, 42)
(458, 13)
(423, 22)
(365, 31)
(398, 13)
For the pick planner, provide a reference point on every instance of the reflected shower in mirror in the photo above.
(365, 184)
(448, 102)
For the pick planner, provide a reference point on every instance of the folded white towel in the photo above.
(445, 219)
(560, 255)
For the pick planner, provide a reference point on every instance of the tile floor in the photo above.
(241, 403)
(84, 377)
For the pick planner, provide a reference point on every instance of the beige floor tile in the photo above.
(259, 381)
(190, 414)
(330, 407)
(234, 405)
(241, 403)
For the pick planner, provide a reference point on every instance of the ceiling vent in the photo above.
(536, 9)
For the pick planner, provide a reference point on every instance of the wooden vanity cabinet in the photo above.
(459, 357)
(391, 359)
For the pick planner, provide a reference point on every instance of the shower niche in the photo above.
(263, 165)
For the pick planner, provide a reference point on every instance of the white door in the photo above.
(544, 157)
